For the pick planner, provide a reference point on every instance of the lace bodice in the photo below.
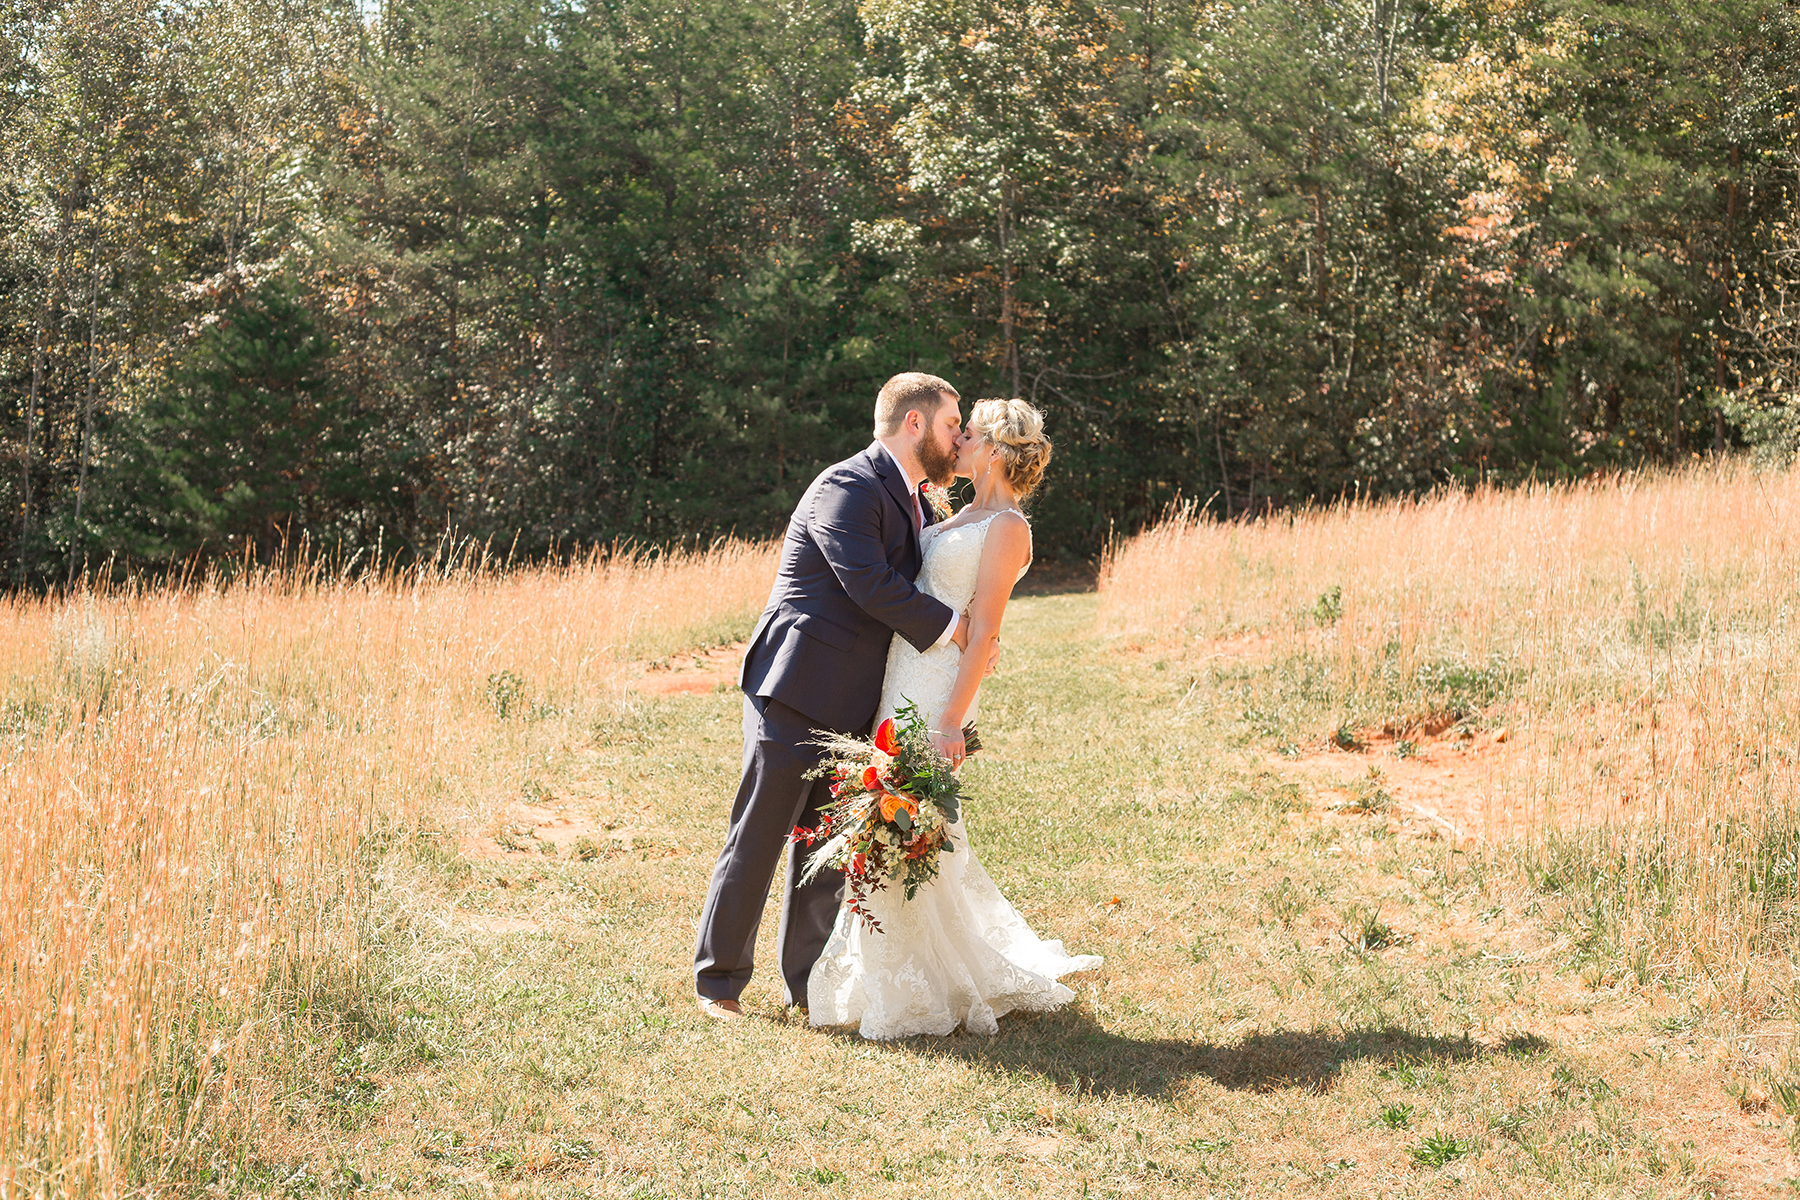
(953, 561)
(950, 572)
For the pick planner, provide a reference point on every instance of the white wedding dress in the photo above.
(956, 953)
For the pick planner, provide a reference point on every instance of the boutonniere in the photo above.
(939, 499)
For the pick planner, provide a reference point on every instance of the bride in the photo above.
(957, 953)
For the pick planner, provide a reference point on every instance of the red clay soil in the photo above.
(1614, 763)
(1444, 784)
(691, 671)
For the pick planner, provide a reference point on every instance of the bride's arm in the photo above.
(1004, 553)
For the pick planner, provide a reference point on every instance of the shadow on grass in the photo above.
(1072, 1051)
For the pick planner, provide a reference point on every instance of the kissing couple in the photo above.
(877, 603)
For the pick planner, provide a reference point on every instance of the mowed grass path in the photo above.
(1289, 1006)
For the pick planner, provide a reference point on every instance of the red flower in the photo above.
(885, 741)
(871, 780)
(856, 864)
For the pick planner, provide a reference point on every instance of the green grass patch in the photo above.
(1262, 1021)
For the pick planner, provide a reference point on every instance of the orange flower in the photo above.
(885, 741)
(871, 779)
(893, 802)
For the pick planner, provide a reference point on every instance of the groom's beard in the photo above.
(938, 463)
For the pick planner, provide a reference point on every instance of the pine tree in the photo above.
(249, 447)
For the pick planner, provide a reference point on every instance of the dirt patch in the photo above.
(1434, 779)
(1040, 1146)
(692, 671)
(529, 831)
(1601, 764)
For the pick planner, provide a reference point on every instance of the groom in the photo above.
(816, 660)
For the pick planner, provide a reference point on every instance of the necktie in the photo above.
(918, 512)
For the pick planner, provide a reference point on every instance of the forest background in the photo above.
(552, 274)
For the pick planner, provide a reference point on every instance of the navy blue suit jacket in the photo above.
(844, 588)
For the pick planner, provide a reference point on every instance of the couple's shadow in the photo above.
(1072, 1051)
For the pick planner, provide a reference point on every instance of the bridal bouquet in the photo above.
(893, 801)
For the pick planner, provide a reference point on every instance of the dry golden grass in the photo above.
(1292, 1003)
(199, 783)
(1630, 641)
(345, 816)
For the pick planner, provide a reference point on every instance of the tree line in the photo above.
(551, 273)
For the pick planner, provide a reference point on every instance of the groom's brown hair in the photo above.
(906, 392)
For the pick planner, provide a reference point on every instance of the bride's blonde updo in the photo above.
(1016, 431)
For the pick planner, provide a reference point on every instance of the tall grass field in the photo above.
(202, 783)
(1443, 846)
(1635, 638)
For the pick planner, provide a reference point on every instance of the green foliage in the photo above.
(247, 448)
(1366, 931)
(1368, 794)
(1285, 902)
(579, 274)
(1397, 1116)
(1440, 1149)
(1328, 609)
(506, 693)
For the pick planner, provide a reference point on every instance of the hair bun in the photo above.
(1022, 424)
(1017, 428)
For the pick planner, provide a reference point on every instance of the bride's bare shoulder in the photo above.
(1009, 537)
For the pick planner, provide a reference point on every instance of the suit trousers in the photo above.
(772, 798)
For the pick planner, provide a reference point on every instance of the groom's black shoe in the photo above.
(721, 1010)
